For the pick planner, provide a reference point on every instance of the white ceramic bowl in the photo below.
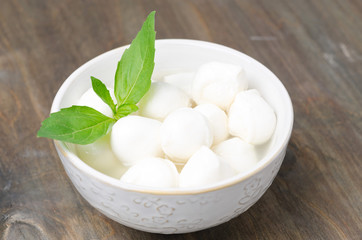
(177, 210)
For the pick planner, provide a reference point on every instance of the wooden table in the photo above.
(314, 47)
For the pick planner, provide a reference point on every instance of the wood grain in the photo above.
(314, 47)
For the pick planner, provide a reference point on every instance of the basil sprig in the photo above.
(84, 125)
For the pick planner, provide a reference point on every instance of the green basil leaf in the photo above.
(134, 70)
(125, 110)
(101, 90)
(76, 124)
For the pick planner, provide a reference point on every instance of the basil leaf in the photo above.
(125, 110)
(101, 90)
(76, 124)
(134, 70)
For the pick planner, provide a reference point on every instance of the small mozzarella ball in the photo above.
(204, 168)
(183, 132)
(251, 118)
(217, 120)
(181, 80)
(162, 99)
(239, 154)
(91, 99)
(152, 172)
(99, 156)
(134, 138)
(218, 83)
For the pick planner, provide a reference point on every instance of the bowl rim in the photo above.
(91, 172)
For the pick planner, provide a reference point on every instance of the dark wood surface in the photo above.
(314, 47)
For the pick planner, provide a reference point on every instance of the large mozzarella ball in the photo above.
(134, 138)
(152, 172)
(99, 156)
(251, 118)
(162, 99)
(218, 83)
(204, 168)
(181, 80)
(217, 120)
(183, 132)
(239, 154)
(91, 99)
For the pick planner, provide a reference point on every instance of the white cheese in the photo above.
(162, 99)
(182, 80)
(183, 132)
(217, 119)
(251, 118)
(152, 172)
(204, 168)
(134, 138)
(218, 83)
(239, 154)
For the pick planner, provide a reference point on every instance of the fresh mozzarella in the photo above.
(239, 154)
(204, 168)
(134, 138)
(218, 83)
(162, 99)
(251, 118)
(183, 132)
(152, 172)
(217, 120)
(181, 80)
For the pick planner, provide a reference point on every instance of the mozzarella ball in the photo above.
(134, 138)
(218, 83)
(183, 132)
(162, 99)
(217, 120)
(181, 80)
(204, 168)
(251, 118)
(152, 172)
(240, 155)
(99, 156)
(91, 99)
